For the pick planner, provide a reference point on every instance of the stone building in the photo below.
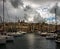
(28, 27)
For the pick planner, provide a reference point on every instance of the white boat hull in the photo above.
(8, 38)
(2, 40)
(14, 34)
(57, 41)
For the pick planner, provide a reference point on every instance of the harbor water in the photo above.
(31, 41)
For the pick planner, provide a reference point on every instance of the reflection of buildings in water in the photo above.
(58, 46)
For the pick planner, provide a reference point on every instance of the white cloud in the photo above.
(41, 6)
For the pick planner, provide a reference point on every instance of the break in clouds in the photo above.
(27, 10)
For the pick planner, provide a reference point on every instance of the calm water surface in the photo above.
(31, 41)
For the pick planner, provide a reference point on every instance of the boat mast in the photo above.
(3, 16)
(56, 17)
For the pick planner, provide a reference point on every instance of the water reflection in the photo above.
(38, 42)
(2, 46)
(20, 43)
(10, 46)
(31, 41)
(57, 46)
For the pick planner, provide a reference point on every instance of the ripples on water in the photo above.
(31, 41)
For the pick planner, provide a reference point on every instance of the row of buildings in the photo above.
(27, 27)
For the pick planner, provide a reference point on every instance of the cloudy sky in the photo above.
(30, 10)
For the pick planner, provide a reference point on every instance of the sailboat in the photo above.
(57, 31)
(2, 39)
(4, 33)
(55, 34)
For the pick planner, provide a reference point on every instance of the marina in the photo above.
(31, 41)
(29, 24)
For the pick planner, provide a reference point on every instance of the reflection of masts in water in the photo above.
(3, 16)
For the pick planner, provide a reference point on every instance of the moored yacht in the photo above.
(58, 37)
(8, 38)
(51, 36)
(15, 34)
(22, 32)
(2, 40)
(43, 34)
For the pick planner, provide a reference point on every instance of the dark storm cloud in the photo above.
(3, 0)
(16, 3)
(27, 8)
(9, 10)
(56, 9)
(31, 13)
(13, 10)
